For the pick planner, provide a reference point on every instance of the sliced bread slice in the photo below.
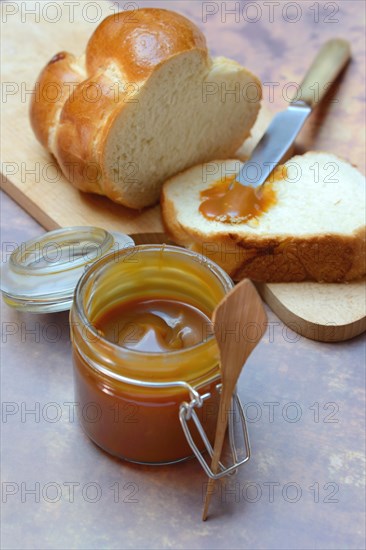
(314, 231)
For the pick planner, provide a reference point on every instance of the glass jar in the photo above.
(130, 401)
(41, 274)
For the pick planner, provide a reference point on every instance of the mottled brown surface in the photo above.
(327, 378)
(280, 53)
(320, 385)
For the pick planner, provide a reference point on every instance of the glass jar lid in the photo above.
(41, 274)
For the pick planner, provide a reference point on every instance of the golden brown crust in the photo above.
(326, 258)
(55, 84)
(85, 115)
(139, 41)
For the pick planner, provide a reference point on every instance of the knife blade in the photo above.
(274, 144)
(286, 125)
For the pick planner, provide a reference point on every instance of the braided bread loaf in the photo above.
(145, 102)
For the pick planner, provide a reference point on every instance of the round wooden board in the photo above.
(323, 312)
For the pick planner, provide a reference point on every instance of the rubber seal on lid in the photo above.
(40, 276)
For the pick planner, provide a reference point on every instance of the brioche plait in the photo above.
(139, 106)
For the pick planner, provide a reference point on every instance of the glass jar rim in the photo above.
(214, 268)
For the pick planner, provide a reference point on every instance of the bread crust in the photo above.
(139, 41)
(328, 258)
(55, 84)
(81, 130)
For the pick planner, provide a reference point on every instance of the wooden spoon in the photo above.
(239, 316)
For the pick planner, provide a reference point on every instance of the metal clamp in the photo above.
(187, 412)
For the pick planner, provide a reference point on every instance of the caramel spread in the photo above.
(229, 201)
(153, 306)
(157, 325)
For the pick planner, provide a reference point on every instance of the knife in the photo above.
(285, 126)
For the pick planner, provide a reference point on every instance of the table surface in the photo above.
(304, 485)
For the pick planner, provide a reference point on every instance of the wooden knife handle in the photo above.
(327, 65)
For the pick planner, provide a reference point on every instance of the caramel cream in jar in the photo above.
(140, 322)
(156, 325)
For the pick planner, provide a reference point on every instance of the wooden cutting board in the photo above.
(31, 177)
(323, 312)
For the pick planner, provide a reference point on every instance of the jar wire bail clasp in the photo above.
(187, 412)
